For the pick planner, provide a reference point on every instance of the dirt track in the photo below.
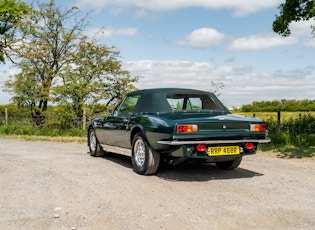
(50, 185)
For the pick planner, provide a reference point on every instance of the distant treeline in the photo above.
(282, 105)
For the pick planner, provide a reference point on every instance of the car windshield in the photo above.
(193, 101)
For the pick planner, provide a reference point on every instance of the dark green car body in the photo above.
(175, 124)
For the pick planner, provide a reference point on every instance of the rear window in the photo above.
(184, 101)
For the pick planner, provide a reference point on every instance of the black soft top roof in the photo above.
(165, 90)
(155, 100)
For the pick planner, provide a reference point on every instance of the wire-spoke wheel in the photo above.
(145, 161)
(139, 151)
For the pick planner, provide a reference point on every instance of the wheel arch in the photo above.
(134, 131)
(88, 133)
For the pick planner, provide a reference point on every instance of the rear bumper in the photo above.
(176, 142)
(188, 149)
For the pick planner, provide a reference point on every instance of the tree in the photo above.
(95, 74)
(11, 14)
(42, 55)
(216, 87)
(59, 64)
(293, 10)
(283, 105)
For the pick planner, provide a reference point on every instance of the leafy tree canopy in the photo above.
(283, 105)
(293, 10)
(58, 63)
(11, 13)
(95, 74)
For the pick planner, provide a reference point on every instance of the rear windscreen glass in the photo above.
(184, 101)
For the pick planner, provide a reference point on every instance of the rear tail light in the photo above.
(201, 148)
(258, 127)
(249, 146)
(187, 128)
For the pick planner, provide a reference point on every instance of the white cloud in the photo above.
(242, 86)
(270, 40)
(261, 42)
(269, 86)
(310, 43)
(174, 72)
(301, 27)
(201, 38)
(110, 32)
(240, 7)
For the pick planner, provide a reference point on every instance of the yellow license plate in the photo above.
(226, 150)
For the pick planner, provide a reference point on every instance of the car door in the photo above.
(116, 128)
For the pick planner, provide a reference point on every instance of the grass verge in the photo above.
(45, 138)
(289, 152)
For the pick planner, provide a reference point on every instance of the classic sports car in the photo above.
(175, 125)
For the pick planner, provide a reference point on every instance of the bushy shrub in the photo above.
(279, 139)
(299, 132)
(58, 121)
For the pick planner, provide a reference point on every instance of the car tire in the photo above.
(229, 165)
(94, 146)
(145, 161)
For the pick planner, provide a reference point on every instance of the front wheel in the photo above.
(94, 146)
(229, 165)
(145, 161)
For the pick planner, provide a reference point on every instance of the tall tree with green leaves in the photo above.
(59, 64)
(95, 74)
(49, 38)
(11, 14)
(293, 10)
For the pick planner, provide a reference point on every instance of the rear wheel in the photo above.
(94, 146)
(228, 165)
(145, 161)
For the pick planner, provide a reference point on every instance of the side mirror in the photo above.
(112, 112)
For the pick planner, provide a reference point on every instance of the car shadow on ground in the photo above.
(189, 172)
(202, 172)
(119, 159)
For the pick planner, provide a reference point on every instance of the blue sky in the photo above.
(181, 43)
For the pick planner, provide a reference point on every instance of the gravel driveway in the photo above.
(52, 185)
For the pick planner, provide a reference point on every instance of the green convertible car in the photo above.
(174, 125)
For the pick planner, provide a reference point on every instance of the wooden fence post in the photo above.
(84, 119)
(278, 121)
(6, 116)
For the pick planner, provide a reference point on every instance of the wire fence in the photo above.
(51, 120)
(303, 124)
(48, 125)
(295, 130)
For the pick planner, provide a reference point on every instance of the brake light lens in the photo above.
(249, 146)
(187, 128)
(201, 148)
(258, 127)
